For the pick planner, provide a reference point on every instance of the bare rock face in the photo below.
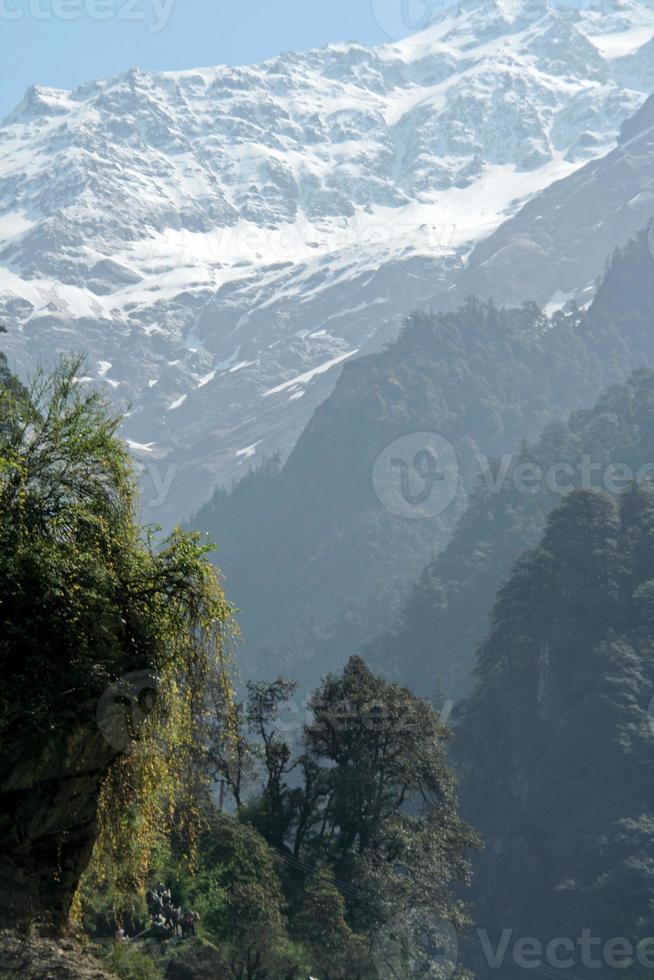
(24, 957)
(603, 205)
(48, 800)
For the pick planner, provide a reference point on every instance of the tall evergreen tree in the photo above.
(556, 742)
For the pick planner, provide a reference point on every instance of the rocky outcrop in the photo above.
(48, 800)
(35, 958)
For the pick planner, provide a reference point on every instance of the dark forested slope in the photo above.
(432, 645)
(556, 743)
(303, 545)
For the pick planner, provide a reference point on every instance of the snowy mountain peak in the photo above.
(217, 234)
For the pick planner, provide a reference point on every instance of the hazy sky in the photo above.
(65, 42)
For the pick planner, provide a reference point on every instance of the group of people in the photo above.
(160, 907)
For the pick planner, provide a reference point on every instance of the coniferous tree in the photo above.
(556, 742)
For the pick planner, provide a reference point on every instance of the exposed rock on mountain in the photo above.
(560, 240)
(38, 958)
(219, 241)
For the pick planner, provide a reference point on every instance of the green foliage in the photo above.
(352, 850)
(86, 597)
(98, 903)
(370, 809)
(320, 923)
(239, 896)
(130, 963)
(65, 506)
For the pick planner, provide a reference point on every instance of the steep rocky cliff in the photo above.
(48, 797)
(36, 958)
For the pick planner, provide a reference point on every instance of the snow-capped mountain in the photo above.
(219, 241)
(560, 240)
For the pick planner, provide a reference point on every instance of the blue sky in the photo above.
(65, 42)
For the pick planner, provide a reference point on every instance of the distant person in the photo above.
(155, 905)
(188, 923)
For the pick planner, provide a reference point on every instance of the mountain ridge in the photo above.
(314, 554)
(221, 240)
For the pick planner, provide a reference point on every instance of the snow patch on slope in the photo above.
(200, 230)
